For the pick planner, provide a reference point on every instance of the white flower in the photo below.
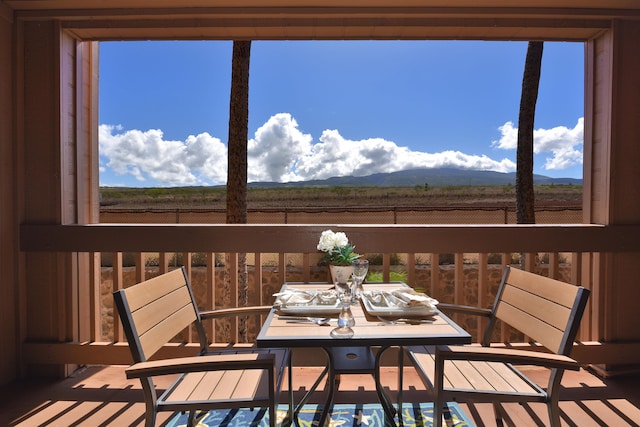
(330, 240)
(337, 248)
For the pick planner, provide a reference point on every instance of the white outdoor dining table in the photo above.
(369, 332)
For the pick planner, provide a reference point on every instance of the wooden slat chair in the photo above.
(153, 312)
(545, 310)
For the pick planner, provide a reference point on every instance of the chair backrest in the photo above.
(156, 310)
(546, 310)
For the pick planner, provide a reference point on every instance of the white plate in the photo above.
(395, 311)
(311, 310)
(307, 302)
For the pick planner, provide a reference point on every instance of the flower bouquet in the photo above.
(338, 253)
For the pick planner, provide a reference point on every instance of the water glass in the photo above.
(360, 270)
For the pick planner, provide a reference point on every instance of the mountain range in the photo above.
(436, 177)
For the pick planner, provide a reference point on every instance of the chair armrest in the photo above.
(506, 355)
(465, 309)
(230, 361)
(236, 311)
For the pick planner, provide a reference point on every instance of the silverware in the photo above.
(322, 321)
(407, 320)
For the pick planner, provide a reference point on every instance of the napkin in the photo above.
(401, 298)
(306, 297)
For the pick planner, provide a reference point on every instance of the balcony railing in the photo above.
(470, 279)
(477, 254)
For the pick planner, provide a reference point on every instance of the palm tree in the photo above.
(525, 196)
(237, 167)
(524, 158)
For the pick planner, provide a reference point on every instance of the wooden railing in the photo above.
(461, 278)
(273, 247)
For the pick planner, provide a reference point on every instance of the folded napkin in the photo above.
(400, 298)
(300, 297)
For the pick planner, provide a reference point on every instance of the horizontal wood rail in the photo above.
(292, 238)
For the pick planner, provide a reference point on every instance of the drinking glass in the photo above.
(343, 289)
(360, 270)
(345, 320)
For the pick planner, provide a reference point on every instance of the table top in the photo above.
(368, 330)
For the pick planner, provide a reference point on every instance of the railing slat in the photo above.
(483, 286)
(95, 302)
(282, 267)
(386, 267)
(140, 267)
(306, 276)
(118, 283)
(411, 269)
(462, 273)
(435, 275)
(210, 292)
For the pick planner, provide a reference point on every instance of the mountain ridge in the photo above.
(435, 177)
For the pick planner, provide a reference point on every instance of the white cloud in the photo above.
(275, 150)
(281, 152)
(146, 156)
(563, 144)
(336, 156)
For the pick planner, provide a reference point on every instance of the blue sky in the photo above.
(328, 108)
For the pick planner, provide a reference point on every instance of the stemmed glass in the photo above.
(345, 320)
(360, 270)
(342, 288)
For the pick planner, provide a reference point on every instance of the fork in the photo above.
(409, 321)
(322, 321)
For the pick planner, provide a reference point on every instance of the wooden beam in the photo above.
(586, 6)
(302, 239)
(329, 20)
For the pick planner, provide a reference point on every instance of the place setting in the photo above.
(403, 304)
(307, 306)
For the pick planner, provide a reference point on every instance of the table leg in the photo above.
(331, 388)
(290, 414)
(389, 410)
(400, 381)
(311, 390)
(329, 372)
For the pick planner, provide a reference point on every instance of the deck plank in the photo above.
(103, 396)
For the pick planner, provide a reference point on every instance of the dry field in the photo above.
(284, 197)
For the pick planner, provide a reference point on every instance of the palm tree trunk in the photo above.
(525, 196)
(237, 166)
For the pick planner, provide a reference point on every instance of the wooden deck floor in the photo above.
(101, 396)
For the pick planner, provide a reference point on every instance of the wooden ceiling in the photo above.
(329, 19)
(134, 4)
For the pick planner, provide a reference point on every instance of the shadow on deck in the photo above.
(102, 396)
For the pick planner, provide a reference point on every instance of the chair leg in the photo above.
(437, 413)
(497, 412)
(272, 416)
(150, 401)
(554, 412)
(438, 387)
(192, 417)
(150, 418)
(552, 397)
(290, 384)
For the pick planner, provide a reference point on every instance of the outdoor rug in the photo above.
(370, 415)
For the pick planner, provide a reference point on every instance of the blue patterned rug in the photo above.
(370, 415)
